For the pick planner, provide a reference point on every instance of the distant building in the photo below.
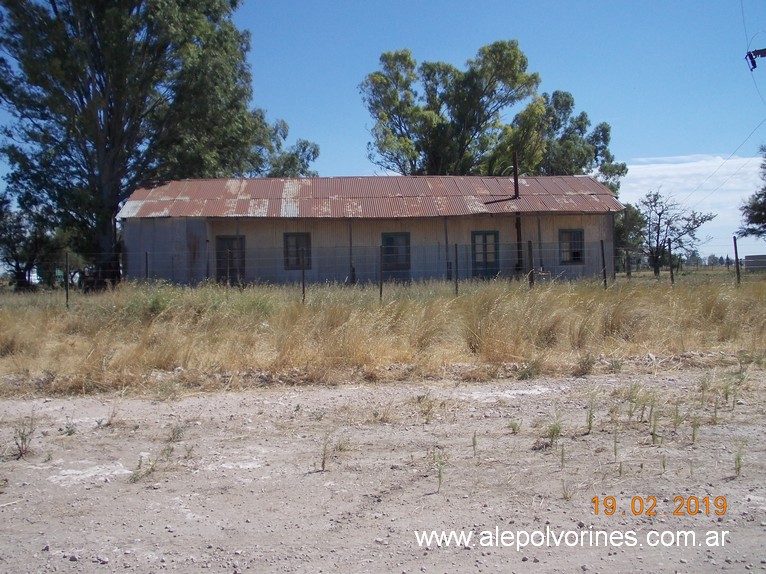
(353, 229)
(755, 263)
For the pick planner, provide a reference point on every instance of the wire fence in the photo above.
(235, 263)
(398, 261)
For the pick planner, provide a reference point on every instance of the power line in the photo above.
(748, 42)
(724, 182)
(744, 24)
(757, 89)
(696, 189)
(749, 56)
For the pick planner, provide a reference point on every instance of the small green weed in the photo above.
(739, 459)
(69, 428)
(22, 436)
(440, 462)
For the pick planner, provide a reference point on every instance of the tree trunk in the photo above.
(20, 280)
(108, 257)
(656, 262)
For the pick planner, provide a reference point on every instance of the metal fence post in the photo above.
(380, 273)
(531, 265)
(736, 259)
(456, 272)
(303, 275)
(66, 277)
(207, 259)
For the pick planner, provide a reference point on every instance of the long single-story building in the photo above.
(353, 229)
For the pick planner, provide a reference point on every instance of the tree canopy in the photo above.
(754, 209)
(107, 95)
(434, 119)
(23, 242)
(629, 228)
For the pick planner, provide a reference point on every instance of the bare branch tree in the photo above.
(668, 224)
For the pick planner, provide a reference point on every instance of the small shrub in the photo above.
(615, 365)
(739, 460)
(69, 428)
(567, 492)
(177, 432)
(585, 365)
(590, 416)
(440, 462)
(695, 428)
(143, 469)
(529, 370)
(554, 430)
(22, 436)
(325, 453)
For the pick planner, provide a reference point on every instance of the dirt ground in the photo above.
(341, 478)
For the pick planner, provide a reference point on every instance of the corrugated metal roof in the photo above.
(369, 197)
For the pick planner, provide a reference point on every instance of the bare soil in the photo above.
(340, 478)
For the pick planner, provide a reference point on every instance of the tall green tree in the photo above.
(754, 209)
(550, 139)
(107, 94)
(433, 119)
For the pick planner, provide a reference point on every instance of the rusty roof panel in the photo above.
(186, 208)
(449, 205)
(257, 207)
(275, 208)
(369, 197)
(423, 206)
(215, 208)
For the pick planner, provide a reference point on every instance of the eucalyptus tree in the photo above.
(107, 94)
(434, 119)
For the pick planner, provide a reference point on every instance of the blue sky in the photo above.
(669, 77)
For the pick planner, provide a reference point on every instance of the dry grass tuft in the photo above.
(166, 340)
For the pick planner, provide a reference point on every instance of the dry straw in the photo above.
(212, 336)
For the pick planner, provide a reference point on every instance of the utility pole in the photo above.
(752, 55)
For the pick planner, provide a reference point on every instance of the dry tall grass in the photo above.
(138, 337)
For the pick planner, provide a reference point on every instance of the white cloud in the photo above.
(703, 183)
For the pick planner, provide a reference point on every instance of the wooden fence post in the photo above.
(670, 257)
(736, 259)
